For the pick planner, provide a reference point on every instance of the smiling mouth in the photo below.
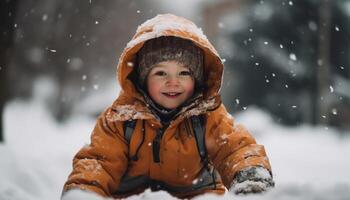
(171, 94)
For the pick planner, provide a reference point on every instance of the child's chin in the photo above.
(170, 107)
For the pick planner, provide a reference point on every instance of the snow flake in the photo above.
(68, 60)
(130, 64)
(53, 50)
(83, 89)
(84, 77)
(138, 11)
(266, 43)
(221, 25)
(244, 107)
(15, 25)
(324, 116)
(237, 101)
(290, 3)
(90, 165)
(319, 62)
(96, 86)
(257, 64)
(334, 111)
(251, 30)
(281, 46)
(294, 106)
(331, 89)
(88, 44)
(312, 26)
(293, 57)
(286, 85)
(273, 75)
(223, 60)
(267, 81)
(44, 17)
(336, 28)
(96, 22)
(341, 67)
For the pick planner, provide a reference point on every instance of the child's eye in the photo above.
(185, 73)
(160, 73)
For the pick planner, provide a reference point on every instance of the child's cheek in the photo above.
(189, 86)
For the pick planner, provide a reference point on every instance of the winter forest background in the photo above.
(287, 79)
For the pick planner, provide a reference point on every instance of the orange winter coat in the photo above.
(101, 166)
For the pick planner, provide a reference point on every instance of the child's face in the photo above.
(169, 84)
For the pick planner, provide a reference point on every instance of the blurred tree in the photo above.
(286, 53)
(7, 15)
(77, 43)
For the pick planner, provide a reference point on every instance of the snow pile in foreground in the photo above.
(308, 163)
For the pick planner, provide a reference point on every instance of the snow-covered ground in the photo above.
(308, 162)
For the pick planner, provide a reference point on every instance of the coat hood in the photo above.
(131, 103)
(170, 25)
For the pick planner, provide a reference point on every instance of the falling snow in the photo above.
(44, 18)
(293, 57)
(130, 64)
(334, 111)
(96, 87)
(237, 101)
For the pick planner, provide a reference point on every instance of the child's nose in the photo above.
(173, 81)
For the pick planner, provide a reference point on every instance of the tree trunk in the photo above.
(7, 15)
(323, 75)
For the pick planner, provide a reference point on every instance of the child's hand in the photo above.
(252, 180)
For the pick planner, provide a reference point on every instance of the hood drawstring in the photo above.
(135, 157)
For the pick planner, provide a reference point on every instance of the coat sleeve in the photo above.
(231, 148)
(99, 166)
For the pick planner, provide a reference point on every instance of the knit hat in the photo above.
(168, 48)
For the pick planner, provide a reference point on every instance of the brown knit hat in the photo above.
(167, 48)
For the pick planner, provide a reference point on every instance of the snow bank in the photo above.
(308, 163)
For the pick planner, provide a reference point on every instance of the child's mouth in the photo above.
(171, 94)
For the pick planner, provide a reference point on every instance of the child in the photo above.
(168, 129)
